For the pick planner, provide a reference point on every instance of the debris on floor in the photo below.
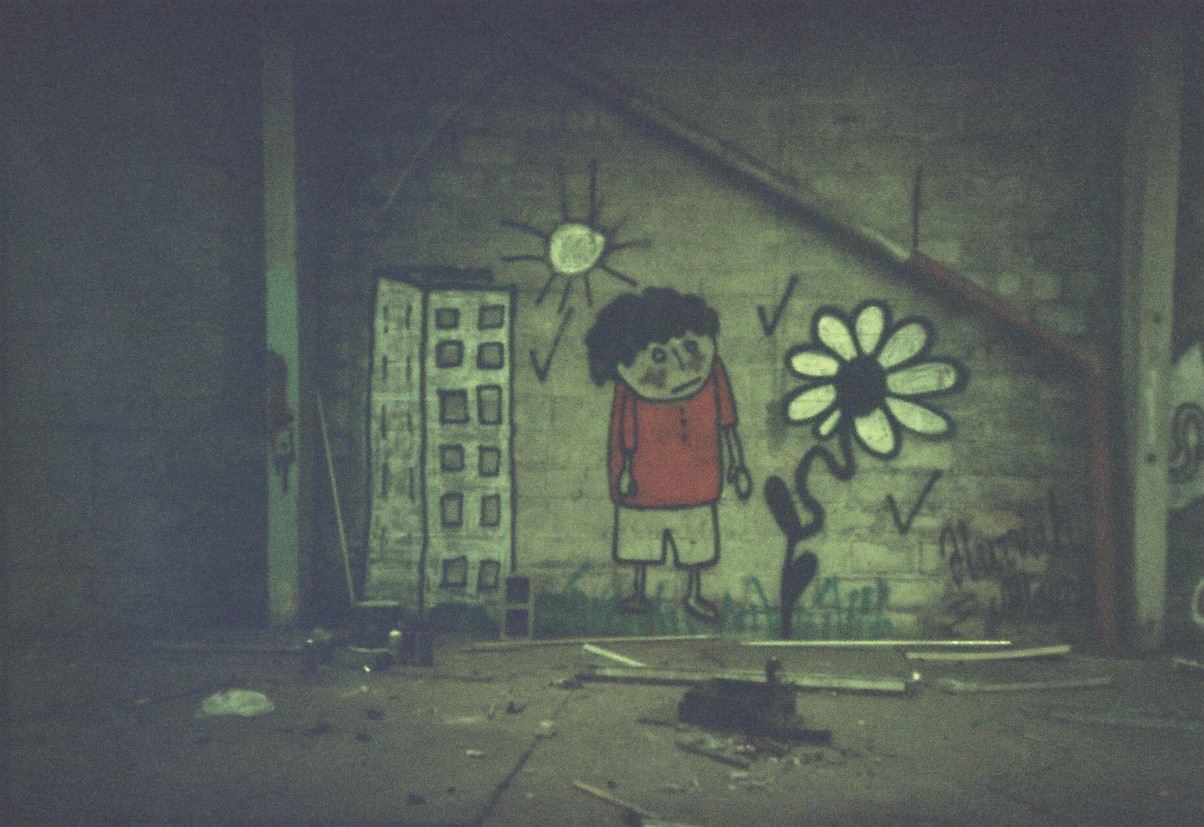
(242, 702)
(1055, 651)
(955, 686)
(1135, 717)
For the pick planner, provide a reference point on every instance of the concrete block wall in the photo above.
(1016, 122)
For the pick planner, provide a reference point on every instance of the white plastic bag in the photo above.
(244, 702)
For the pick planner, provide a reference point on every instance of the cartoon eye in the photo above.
(659, 355)
(691, 346)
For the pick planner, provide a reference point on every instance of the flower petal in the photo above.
(877, 433)
(829, 425)
(903, 344)
(833, 331)
(919, 418)
(870, 323)
(924, 378)
(810, 402)
(813, 363)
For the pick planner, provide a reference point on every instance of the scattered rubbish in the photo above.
(955, 686)
(373, 714)
(761, 707)
(505, 645)
(546, 729)
(685, 787)
(1126, 717)
(858, 644)
(714, 755)
(242, 702)
(615, 656)
(320, 728)
(363, 737)
(474, 753)
(1188, 664)
(415, 800)
(673, 677)
(567, 683)
(464, 720)
(318, 649)
(514, 708)
(659, 722)
(610, 799)
(1054, 651)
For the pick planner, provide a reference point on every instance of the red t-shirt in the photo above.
(675, 445)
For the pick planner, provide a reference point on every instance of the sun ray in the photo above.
(526, 228)
(524, 257)
(628, 280)
(639, 242)
(589, 295)
(543, 291)
(564, 294)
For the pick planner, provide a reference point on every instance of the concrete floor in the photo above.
(500, 737)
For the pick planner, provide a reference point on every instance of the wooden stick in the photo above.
(1012, 654)
(855, 644)
(334, 495)
(506, 645)
(714, 755)
(610, 799)
(956, 686)
(673, 677)
(606, 653)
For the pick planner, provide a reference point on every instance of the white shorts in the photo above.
(647, 535)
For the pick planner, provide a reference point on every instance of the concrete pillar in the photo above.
(1151, 196)
(283, 328)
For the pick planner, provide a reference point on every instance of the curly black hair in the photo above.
(635, 320)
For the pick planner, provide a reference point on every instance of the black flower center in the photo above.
(860, 386)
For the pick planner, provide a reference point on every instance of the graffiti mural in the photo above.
(866, 380)
(673, 439)
(1030, 567)
(1185, 556)
(441, 525)
(1187, 429)
(575, 247)
(839, 609)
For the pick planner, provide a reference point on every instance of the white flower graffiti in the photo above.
(870, 377)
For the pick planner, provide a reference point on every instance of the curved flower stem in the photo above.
(797, 572)
(842, 471)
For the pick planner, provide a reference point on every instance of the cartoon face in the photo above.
(666, 371)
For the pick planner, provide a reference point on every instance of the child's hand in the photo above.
(742, 480)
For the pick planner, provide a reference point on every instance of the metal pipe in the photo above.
(928, 273)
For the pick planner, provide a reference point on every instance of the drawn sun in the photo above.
(575, 247)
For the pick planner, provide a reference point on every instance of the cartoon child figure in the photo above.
(672, 433)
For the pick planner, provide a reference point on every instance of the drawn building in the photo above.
(440, 433)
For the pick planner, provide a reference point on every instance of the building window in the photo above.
(453, 407)
(447, 318)
(488, 574)
(455, 573)
(451, 457)
(489, 404)
(451, 510)
(489, 461)
(449, 354)
(490, 356)
(491, 511)
(491, 317)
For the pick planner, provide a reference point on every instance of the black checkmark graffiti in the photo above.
(541, 371)
(769, 326)
(903, 526)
